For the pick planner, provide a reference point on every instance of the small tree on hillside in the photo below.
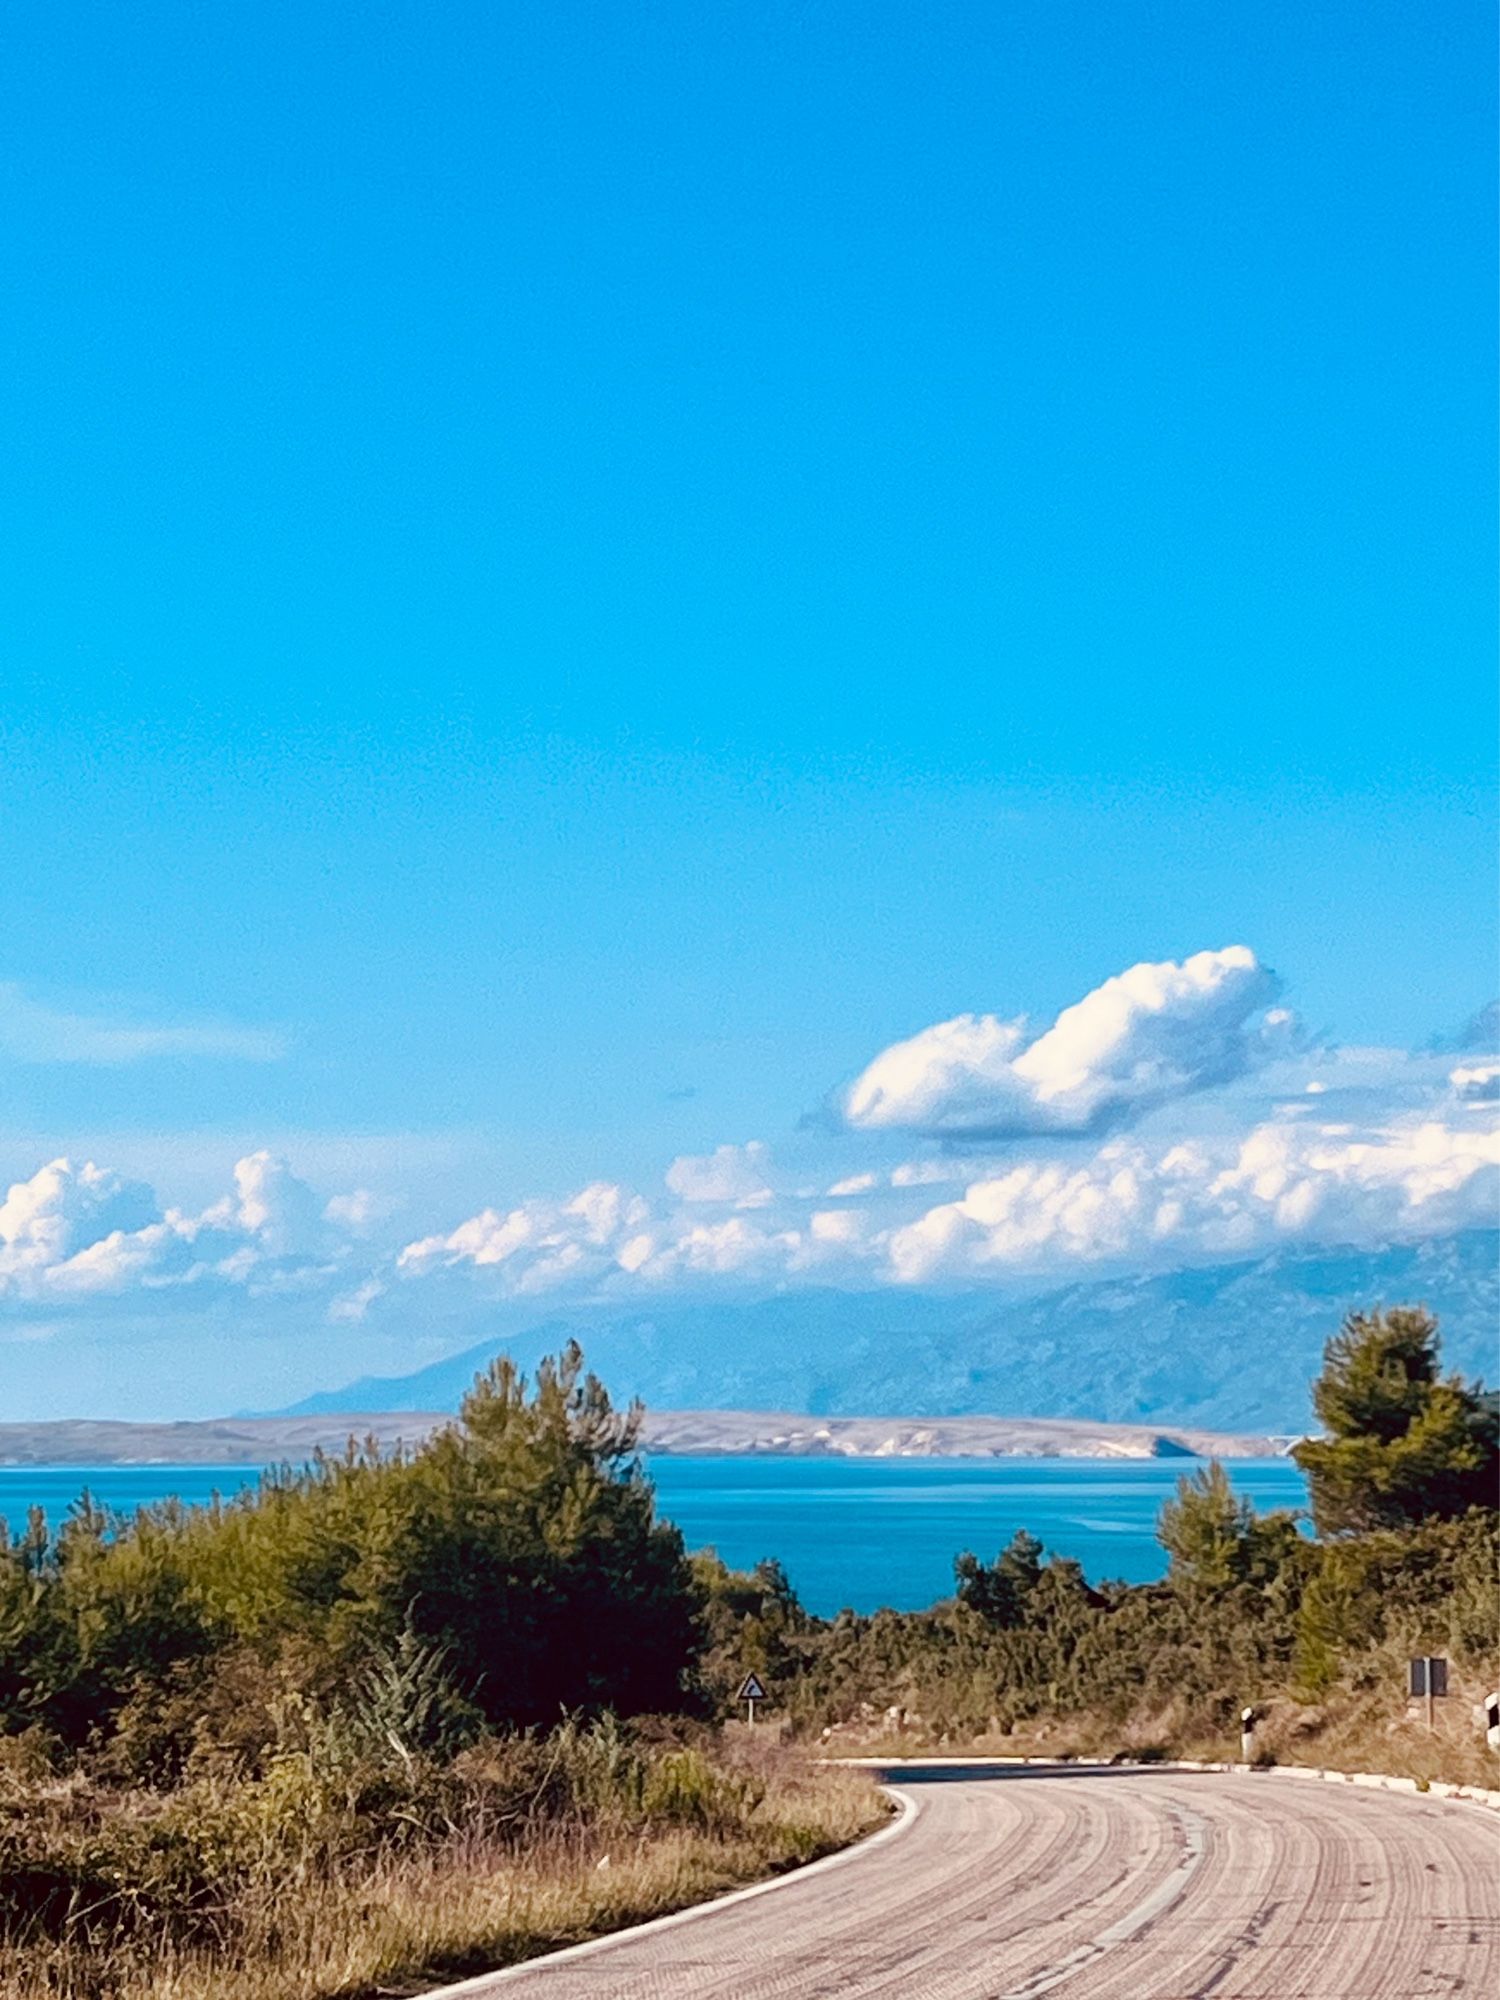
(1001, 1591)
(524, 1541)
(1205, 1528)
(1403, 1445)
(1217, 1540)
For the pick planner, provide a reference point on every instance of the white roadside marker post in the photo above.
(1427, 1682)
(1247, 1735)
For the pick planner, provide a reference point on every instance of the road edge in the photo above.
(480, 1983)
(1435, 1788)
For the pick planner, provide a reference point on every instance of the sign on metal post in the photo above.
(750, 1693)
(1428, 1680)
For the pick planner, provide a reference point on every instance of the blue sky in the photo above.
(570, 576)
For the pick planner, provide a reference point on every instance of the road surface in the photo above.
(1095, 1885)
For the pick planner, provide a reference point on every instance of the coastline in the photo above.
(675, 1433)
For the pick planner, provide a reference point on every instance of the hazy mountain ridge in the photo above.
(1230, 1347)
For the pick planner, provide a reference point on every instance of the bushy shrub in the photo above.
(685, 1788)
(511, 1570)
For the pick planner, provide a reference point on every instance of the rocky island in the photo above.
(697, 1433)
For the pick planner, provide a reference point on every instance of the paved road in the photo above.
(1098, 1885)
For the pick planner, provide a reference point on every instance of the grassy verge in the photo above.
(486, 1885)
(1367, 1726)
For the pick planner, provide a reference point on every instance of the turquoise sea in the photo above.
(857, 1532)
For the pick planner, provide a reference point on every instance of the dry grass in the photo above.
(1376, 1729)
(401, 1924)
(1364, 1727)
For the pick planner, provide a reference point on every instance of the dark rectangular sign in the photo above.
(1429, 1676)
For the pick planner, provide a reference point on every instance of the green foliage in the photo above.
(1216, 1539)
(1329, 1619)
(686, 1788)
(1377, 1370)
(511, 1570)
(1250, 1609)
(402, 1704)
(1205, 1530)
(1001, 1592)
(752, 1622)
(1431, 1588)
(1403, 1445)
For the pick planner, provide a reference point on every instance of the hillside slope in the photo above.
(1226, 1348)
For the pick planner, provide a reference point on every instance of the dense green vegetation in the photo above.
(518, 1551)
(437, 1689)
(1269, 1614)
(1251, 1610)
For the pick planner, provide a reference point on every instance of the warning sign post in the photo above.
(750, 1693)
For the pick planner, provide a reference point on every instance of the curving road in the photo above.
(1094, 1885)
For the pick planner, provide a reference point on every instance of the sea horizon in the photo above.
(851, 1533)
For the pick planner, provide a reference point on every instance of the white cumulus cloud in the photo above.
(541, 1244)
(63, 1209)
(1200, 1201)
(735, 1174)
(78, 1229)
(270, 1205)
(1476, 1083)
(1151, 1034)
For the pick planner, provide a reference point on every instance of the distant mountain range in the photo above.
(1232, 1347)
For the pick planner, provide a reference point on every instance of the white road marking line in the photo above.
(1162, 1897)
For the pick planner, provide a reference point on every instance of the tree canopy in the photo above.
(1403, 1444)
(520, 1546)
(1216, 1539)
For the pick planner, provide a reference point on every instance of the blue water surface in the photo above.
(856, 1532)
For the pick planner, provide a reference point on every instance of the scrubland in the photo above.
(339, 1871)
(392, 1719)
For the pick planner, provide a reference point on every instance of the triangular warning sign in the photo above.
(751, 1689)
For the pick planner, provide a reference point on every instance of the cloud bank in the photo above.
(729, 1173)
(1149, 1035)
(79, 1231)
(1201, 1203)
(1059, 1176)
(1123, 1204)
